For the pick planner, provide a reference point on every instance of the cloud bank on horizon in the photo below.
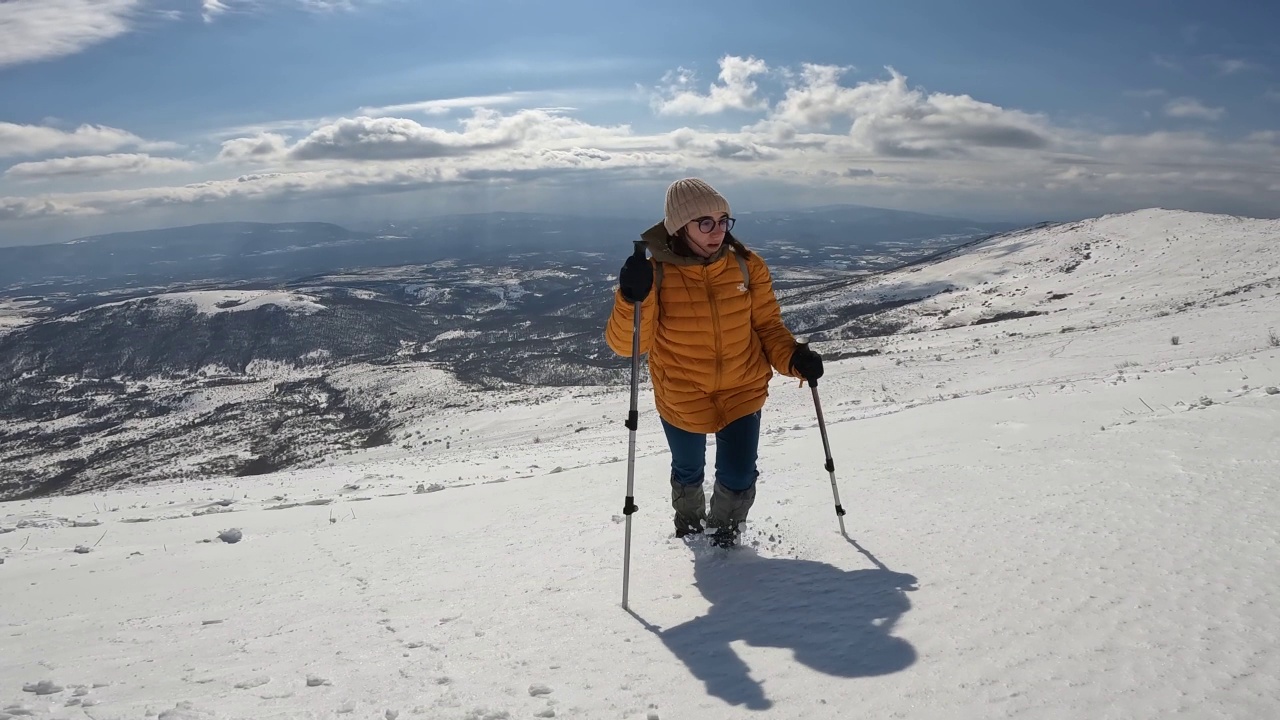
(471, 128)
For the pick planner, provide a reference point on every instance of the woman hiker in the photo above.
(714, 334)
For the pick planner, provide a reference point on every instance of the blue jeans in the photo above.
(736, 448)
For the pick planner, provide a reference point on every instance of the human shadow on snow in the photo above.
(838, 622)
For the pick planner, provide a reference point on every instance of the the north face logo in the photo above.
(742, 288)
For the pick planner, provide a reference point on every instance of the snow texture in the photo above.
(1063, 515)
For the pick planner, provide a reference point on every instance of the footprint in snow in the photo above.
(44, 687)
(287, 506)
(251, 683)
(185, 711)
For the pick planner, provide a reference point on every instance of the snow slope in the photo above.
(1112, 269)
(1045, 524)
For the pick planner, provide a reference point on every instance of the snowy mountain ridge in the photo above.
(1148, 261)
(1090, 273)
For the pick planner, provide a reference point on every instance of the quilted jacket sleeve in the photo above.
(621, 324)
(766, 318)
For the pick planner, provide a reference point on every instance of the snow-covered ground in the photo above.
(1059, 516)
(212, 302)
(17, 313)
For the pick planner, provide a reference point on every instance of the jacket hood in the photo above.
(658, 241)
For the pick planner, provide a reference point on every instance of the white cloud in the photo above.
(384, 138)
(820, 136)
(736, 90)
(210, 9)
(96, 165)
(1192, 109)
(1272, 94)
(376, 155)
(817, 100)
(34, 30)
(431, 108)
(725, 146)
(344, 181)
(22, 208)
(34, 140)
(326, 5)
(273, 128)
(1151, 147)
(1232, 66)
(263, 147)
(889, 118)
(445, 105)
(366, 138)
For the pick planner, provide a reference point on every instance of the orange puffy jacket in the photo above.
(712, 343)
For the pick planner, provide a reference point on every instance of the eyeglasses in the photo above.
(707, 224)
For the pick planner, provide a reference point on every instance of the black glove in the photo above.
(636, 277)
(806, 362)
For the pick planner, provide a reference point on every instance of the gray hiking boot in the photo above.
(728, 511)
(690, 504)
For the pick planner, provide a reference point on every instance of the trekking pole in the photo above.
(826, 446)
(632, 423)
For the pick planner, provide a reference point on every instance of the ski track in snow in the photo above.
(1080, 524)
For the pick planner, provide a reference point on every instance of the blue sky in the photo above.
(121, 114)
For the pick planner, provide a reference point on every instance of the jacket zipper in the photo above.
(715, 328)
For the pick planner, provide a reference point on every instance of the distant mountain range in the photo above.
(194, 383)
(241, 251)
(185, 381)
(241, 348)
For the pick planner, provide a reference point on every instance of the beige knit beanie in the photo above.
(691, 198)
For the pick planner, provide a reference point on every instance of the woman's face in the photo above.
(705, 243)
